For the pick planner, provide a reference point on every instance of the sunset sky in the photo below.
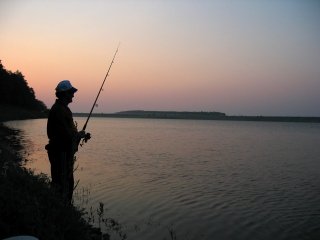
(244, 57)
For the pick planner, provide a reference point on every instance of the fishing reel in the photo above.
(87, 136)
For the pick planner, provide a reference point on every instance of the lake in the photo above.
(195, 179)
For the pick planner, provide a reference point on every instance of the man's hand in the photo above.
(84, 136)
(87, 137)
(81, 134)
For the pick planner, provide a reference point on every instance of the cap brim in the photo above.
(73, 89)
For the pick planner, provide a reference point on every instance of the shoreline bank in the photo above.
(12, 112)
(28, 206)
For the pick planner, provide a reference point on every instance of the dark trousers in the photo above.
(62, 173)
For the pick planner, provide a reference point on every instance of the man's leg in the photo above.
(70, 178)
(56, 170)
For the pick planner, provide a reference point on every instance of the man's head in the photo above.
(65, 91)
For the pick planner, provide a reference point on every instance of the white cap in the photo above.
(65, 85)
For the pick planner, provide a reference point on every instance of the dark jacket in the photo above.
(61, 130)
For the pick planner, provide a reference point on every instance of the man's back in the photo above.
(61, 130)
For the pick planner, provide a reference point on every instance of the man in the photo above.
(63, 140)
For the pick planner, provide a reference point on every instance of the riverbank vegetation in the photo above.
(17, 98)
(27, 204)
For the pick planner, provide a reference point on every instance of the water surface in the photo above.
(201, 179)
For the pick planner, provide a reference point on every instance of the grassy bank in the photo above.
(27, 204)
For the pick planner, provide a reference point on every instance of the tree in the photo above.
(14, 90)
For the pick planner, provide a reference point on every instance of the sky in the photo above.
(240, 57)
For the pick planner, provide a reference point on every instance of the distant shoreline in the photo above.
(199, 116)
(9, 113)
(12, 112)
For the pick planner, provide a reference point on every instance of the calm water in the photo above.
(201, 179)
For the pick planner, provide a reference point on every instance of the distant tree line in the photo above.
(173, 114)
(14, 90)
(198, 115)
(160, 114)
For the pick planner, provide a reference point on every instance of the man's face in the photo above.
(69, 96)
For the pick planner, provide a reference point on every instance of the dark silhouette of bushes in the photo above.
(14, 90)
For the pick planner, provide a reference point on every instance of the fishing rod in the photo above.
(95, 101)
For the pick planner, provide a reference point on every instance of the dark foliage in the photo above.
(14, 90)
(28, 206)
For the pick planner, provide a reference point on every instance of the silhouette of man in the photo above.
(63, 140)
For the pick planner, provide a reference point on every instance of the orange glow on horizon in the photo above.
(238, 61)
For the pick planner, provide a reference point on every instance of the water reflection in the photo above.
(207, 179)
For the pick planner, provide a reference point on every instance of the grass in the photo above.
(28, 206)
